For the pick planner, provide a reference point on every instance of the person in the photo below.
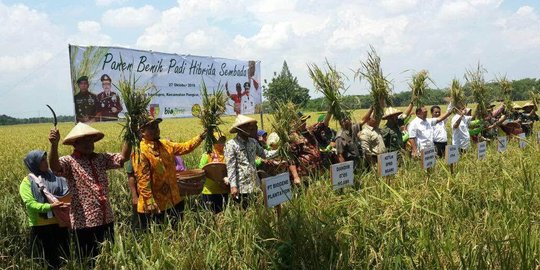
(421, 130)
(306, 151)
(391, 133)
(240, 154)
(261, 138)
(155, 170)
(236, 98)
(460, 129)
(85, 102)
(371, 140)
(91, 214)
(528, 117)
(348, 146)
(108, 101)
(215, 195)
(440, 137)
(46, 235)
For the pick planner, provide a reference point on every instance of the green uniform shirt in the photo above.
(33, 207)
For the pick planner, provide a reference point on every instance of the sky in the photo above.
(442, 36)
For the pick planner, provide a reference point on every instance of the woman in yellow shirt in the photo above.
(215, 195)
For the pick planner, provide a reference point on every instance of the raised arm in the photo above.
(366, 116)
(126, 151)
(409, 109)
(327, 118)
(444, 116)
(458, 121)
(54, 163)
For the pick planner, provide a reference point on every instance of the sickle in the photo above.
(55, 121)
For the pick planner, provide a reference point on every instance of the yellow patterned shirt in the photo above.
(155, 170)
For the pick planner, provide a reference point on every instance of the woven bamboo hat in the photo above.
(528, 104)
(240, 121)
(389, 112)
(82, 130)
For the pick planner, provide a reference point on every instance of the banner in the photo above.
(96, 71)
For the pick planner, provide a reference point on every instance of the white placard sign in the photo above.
(276, 189)
(452, 154)
(538, 136)
(502, 143)
(387, 163)
(429, 158)
(342, 174)
(522, 142)
(482, 150)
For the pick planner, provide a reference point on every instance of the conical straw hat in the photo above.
(241, 120)
(389, 112)
(82, 130)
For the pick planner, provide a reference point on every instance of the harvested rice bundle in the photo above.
(419, 86)
(457, 94)
(136, 99)
(379, 85)
(535, 98)
(285, 120)
(506, 91)
(330, 83)
(213, 107)
(475, 81)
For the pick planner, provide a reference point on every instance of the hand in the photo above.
(203, 134)
(54, 136)
(59, 205)
(234, 192)
(297, 181)
(152, 208)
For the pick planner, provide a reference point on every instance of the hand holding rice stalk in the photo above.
(213, 107)
(535, 97)
(380, 86)
(419, 86)
(475, 80)
(285, 120)
(506, 91)
(136, 99)
(329, 83)
(457, 94)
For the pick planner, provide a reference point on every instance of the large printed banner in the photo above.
(96, 71)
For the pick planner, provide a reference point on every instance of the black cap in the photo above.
(82, 79)
(105, 77)
(246, 84)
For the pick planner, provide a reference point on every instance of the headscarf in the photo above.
(56, 185)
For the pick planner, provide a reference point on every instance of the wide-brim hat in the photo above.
(240, 121)
(516, 107)
(528, 104)
(149, 121)
(82, 130)
(390, 111)
(303, 117)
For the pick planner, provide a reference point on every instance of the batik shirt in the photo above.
(305, 148)
(240, 158)
(89, 186)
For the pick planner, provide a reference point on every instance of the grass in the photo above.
(483, 217)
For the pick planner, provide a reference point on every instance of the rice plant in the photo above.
(506, 91)
(476, 83)
(213, 107)
(330, 83)
(419, 86)
(457, 94)
(285, 121)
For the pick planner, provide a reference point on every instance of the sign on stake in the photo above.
(522, 141)
(342, 174)
(482, 150)
(451, 154)
(276, 189)
(502, 143)
(387, 163)
(429, 158)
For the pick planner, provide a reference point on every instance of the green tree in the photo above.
(284, 87)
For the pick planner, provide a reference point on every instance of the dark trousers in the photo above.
(174, 214)
(49, 242)
(244, 200)
(90, 239)
(441, 148)
(215, 202)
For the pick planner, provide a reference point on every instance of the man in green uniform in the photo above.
(392, 135)
(85, 102)
(108, 105)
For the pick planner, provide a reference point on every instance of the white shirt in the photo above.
(439, 130)
(460, 135)
(422, 132)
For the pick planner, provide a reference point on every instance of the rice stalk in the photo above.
(477, 85)
(535, 97)
(419, 86)
(457, 94)
(285, 120)
(379, 86)
(506, 91)
(88, 65)
(213, 107)
(330, 83)
(136, 100)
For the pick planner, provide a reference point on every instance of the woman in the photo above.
(215, 195)
(46, 235)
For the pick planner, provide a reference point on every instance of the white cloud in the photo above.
(109, 2)
(130, 17)
(522, 29)
(90, 34)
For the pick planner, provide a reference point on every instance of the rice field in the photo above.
(485, 216)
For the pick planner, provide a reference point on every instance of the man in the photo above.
(460, 129)
(240, 155)
(86, 172)
(392, 135)
(261, 138)
(528, 117)
(306, 150)
(347, 142)
(440, 137)
(108, 101)
(236, 98)
(421, 130)
(155, 170)
(371, 140)
(85, 102)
